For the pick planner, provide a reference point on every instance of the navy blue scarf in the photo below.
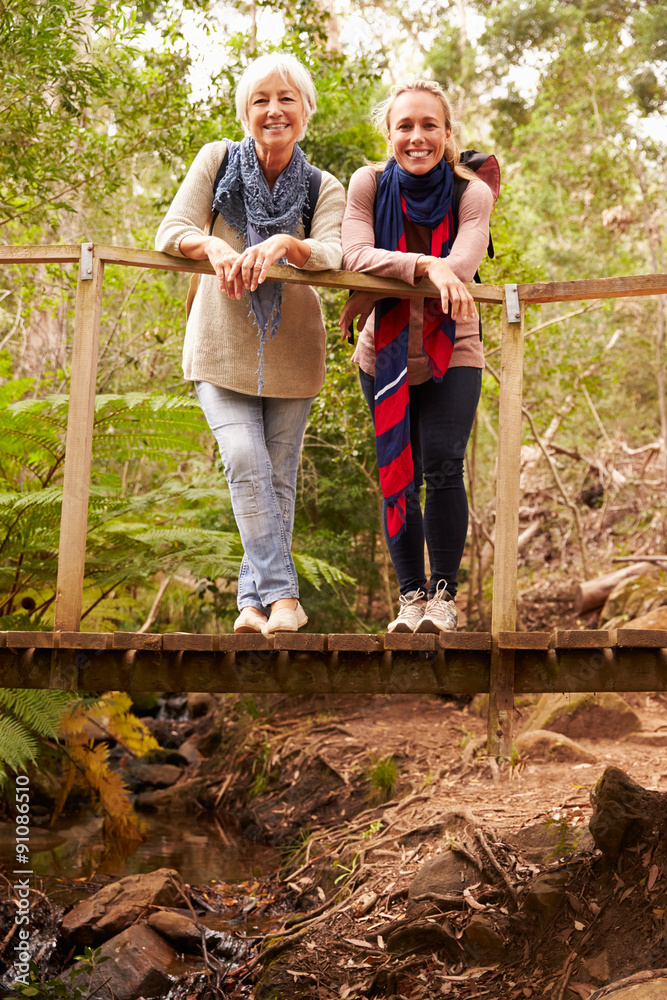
(426, 200)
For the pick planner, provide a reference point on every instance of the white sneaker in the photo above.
(440, 614)
(411, 612)
(250, 620)
(285, 620)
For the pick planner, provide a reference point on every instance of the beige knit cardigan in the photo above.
(221, 338)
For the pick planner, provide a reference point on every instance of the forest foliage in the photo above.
(99, 120)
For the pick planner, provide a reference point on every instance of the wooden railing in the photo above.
(513, 299)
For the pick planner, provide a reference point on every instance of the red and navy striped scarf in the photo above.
(425, 200)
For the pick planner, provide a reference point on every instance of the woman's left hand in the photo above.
(454, 296)
(254, 263)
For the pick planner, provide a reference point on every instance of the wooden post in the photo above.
(79, 442)
(501, 684)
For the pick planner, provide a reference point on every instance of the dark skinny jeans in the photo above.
(441, 419)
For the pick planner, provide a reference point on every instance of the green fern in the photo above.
(26, 715)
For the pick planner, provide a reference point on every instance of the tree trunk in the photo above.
(592, 594)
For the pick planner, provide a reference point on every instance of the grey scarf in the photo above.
(245, 202)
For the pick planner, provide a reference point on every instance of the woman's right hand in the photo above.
(223, 259)
(454, 296)
(359, 304)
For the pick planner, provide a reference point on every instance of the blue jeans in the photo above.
(260, 441)
(441, 418)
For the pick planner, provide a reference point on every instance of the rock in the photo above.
(200, 703)
(189, 749)
(647, 985)
(140, 775)
(424, 935)
(623, 811)
(597, 968)
(539, 843)
(161, 756)
(484, 940)
(137, 966)
(546, 895)
(179, 798)
(584, 716)
(632, 599)
(113, 908)
(647, 739)
(542, 744)
(179, 929)
(445, 873)
(364, 904)
(653, 619)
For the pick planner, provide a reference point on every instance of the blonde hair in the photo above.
(291, 70)
(381, 118)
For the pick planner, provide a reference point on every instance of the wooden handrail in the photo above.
(637, 285)
(71, 563)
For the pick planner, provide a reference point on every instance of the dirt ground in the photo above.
(344, 925)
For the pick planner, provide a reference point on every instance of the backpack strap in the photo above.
(218, 177)
(314, 183)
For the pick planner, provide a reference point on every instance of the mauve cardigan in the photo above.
(360, 254)
(221, 338)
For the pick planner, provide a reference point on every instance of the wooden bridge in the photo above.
(500, 662)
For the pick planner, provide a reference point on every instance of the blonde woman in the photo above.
(420, 360)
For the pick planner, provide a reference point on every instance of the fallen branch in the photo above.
(484, 844)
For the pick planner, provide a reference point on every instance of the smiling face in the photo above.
(276, 115)
(418, 131)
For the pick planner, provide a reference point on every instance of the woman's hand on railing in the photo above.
(454, 295)
(359, 304)
(224, 260)
(252, 266)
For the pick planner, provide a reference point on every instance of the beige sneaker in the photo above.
(250, 620)
(412, 608)
(285, 620)
(440, 614)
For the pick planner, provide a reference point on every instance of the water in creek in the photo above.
(199, 847)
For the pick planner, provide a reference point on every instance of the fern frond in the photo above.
(39, 710)
(17, 744)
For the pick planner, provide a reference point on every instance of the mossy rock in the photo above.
(479, 706)
(632, 598)
(584, 716)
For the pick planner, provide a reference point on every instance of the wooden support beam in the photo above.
(128, 662)
(501, 693)
(78, 448)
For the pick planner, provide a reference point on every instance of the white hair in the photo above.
(291, 70)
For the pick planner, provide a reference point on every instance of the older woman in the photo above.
(256, 351)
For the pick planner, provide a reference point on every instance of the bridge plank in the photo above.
(342, 641)
(304, 641)
(30, 640)
(582, 639)
(465, 640)
(137, 640)
(524, 640)
(184, 641)
(410, 641)
(637, 637)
